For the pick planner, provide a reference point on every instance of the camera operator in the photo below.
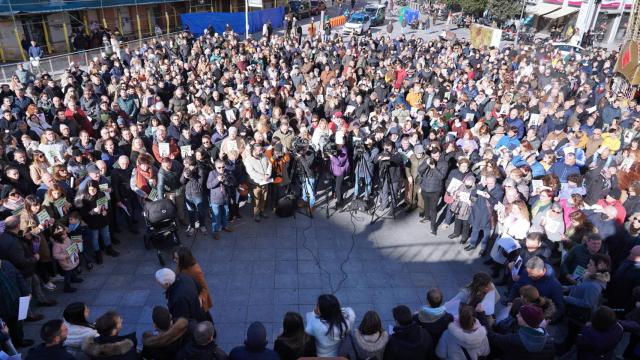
(193, 178)
(390, 168)
(339, 166)
(280, 161)
(432, 173)
(364, 155)
(221, 184)
(306, 160)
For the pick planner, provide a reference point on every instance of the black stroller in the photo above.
(162, 230)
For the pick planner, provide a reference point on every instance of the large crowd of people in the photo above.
(527, 153)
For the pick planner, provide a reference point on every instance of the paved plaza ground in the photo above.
(263, 270)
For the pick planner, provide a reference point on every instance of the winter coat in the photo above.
(593, 344)
(364, 169)
(12, 249)
(193, 351)
(67, 262)
(196, 273)
(431, 178)
(111, 347)
(461, 208)
(579, 255)
(246, 353)
(526, 344)
(328, 344)
(75, 338)
(257, 168)
(587, 293)
(183, 300)
(194, 182)
(482, 214)
(410, 342)
(13, 289)
(169, 181)
(455, 338)
(220, 192)
(44, 352)
(340, 163)
(548, 286)
(357, 346)
(434, 320)
(164, 345)
(93, 220)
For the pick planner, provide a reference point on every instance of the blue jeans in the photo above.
(307, 189)
(196, 210)
(219, 217)
(367, 187)
(96, 234)
(475, 233)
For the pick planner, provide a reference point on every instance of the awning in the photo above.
(542, 9)
(561, 12)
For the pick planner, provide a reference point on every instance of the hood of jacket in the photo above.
(430, 315)
(469, 339)
(533, 340)
(601, 278)
(95, 349)
(77, 334)
(371, 343)
(175, 332)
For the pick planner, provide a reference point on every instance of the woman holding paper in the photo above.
(39, 166)
(67, 255)
(34, 222)
(93, 205)
(55, 202)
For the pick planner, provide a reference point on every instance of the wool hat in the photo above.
(532, 315)
(165, 276)
(256, 336)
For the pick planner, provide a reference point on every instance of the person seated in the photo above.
(202, 344)
(110, 344)
(53, 333)
(165, 340)
(255, 346)
(433, 316)
(409, 340)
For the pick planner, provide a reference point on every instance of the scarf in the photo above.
(438, 311)
(143, 177)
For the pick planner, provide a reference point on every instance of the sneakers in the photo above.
(256, 218)
(203, 229)
(57, 278)
(49, 286)
(190, 231)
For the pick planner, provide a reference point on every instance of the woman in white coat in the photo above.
(464, 339)
(329, 324)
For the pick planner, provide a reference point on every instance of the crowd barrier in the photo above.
(198, 22)
(337, 21)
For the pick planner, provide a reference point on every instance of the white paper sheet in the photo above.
(24, 307)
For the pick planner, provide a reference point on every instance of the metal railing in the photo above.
(57, 64)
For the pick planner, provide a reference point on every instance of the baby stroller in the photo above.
(162, 230)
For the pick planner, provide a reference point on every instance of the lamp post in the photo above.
(515, 40)
(246, 19)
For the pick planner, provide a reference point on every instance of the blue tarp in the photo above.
(46, 6)
(411, 15)
(197, 22)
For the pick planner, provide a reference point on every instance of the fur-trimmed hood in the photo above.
(175, 332)
(371, 343)
(602, 277)
(97, 350)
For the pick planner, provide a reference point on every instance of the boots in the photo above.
(111, 251)
(99, 257)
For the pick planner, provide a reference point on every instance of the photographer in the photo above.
(339, 166)
(193, 178)
(280, 162)
(432, 173)
(390, 168)
(221, 184)
(305, 159)
(364, 155)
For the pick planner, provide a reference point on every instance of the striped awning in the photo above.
(565, 11)
(542, 9)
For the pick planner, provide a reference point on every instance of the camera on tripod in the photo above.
(330, 149)
(358, 148)
(299, 145)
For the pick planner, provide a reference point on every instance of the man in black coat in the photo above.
(123, 196)
(202, 346)
(409, 341)
(163, 343)
(53, 333)
(182, 295)
(432, 173)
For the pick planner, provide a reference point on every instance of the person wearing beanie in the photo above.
(531, 341)
(613, 199)
(409, 340)
(255, 346)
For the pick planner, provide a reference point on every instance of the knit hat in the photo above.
(256, 336)
(532, 315)
(165, 276)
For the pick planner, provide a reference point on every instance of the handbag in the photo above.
(448, 199)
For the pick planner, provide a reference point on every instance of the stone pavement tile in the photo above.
(230, 335)
(106, 267)
(240, 267)
(307, 267)
(422, 279)
(108, 297)
(134, 297)
(267, 254)
(263, 281)
(145, 315)
(359, 309)
(85, 296)
(147, 268)
(401, 280)
(264, 266)
(306, 254)
(287, 297)
(130, 314)
(309, 296)
(286, 267)
(410, 295)
(310, 281)
(231, 313)
(264, 296)
(235, 297)
(128, 267)
(358, 296)
(238, 280)
(286, 281)
(286, 254)
(216, 267)
(262, 313)
(120, 281)
(156, 297)
(91, 281)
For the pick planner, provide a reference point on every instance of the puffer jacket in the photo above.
(432, 178)
(455, 338)
(194, 182)
(75, 338)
